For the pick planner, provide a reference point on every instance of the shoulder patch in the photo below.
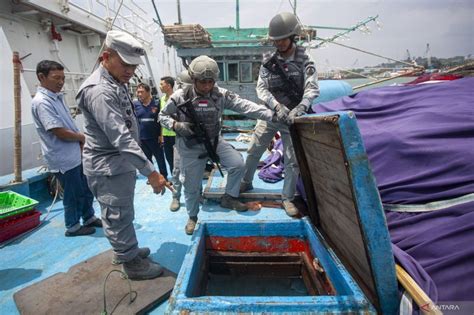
(264, 72)
(310, 70)
(230, 95)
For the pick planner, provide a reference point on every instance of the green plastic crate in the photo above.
(12, 203)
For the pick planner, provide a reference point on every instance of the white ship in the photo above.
(70, 32)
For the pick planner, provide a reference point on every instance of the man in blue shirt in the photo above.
(147, 114)
(61, 145)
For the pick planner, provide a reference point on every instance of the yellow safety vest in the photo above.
(165, 132)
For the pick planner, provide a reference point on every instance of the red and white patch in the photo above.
(203, 103)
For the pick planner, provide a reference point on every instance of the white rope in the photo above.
(432, 206)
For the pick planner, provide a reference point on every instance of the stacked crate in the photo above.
(17, 214)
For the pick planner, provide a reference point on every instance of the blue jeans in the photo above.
(77, 199)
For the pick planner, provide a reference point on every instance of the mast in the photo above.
(237, 16)
(17, 103)
(179, 12)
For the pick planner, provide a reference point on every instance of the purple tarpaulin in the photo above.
(441, 243)
(272, 169)
(419, 139)
(420, 144)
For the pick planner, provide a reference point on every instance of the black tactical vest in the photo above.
(207, 112)
(294, 71)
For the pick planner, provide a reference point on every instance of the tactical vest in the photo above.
(295, 71)
(207, 112)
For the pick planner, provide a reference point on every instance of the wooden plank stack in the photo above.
(186, 36)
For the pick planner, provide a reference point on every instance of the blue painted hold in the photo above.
(186, 295)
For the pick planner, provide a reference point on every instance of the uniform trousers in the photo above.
(176, 174)
(263, 134)
(193, 168)
(115, 195)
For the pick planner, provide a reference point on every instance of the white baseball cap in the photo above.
(127, 47)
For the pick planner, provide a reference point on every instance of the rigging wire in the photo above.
(279, 7)
(376, 55)
(108, 29)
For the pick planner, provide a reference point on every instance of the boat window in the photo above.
(255, 70)
(246, 72)
(221, 71)
(233, 72)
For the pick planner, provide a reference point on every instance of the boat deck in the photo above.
(46, 251)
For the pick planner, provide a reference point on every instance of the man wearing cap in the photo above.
(112, 154)
(288, 84)
(208, 102)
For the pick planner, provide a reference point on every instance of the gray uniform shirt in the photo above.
(311, 87)
(228, 100)
(110, 127)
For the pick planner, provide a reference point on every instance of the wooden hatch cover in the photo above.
(344, 203)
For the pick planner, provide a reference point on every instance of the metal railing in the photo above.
(131, 17)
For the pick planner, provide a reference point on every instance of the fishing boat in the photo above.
(36, 265)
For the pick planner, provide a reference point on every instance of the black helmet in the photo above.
(283, 25)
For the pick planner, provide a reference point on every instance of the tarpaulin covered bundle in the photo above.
(273, 165)
(420, 144)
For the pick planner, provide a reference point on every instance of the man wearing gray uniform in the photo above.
(207, 102)
(182, 81)
(111, 153)
(288, 84)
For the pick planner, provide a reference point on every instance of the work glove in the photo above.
(183, 129)
(281, 112)
(298, 111)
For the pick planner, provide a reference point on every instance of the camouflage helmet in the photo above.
(283, 25)
(184, 78)
(202, 68)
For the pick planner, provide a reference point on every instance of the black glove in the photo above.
(299, 110)
(183, 129)
(281, 112)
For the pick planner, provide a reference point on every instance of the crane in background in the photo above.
(428, 56)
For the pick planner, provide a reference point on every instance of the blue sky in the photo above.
(447, 25)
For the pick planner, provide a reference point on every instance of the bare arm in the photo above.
(68, 135)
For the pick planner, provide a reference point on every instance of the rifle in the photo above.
(291, 89)
(201, 134)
